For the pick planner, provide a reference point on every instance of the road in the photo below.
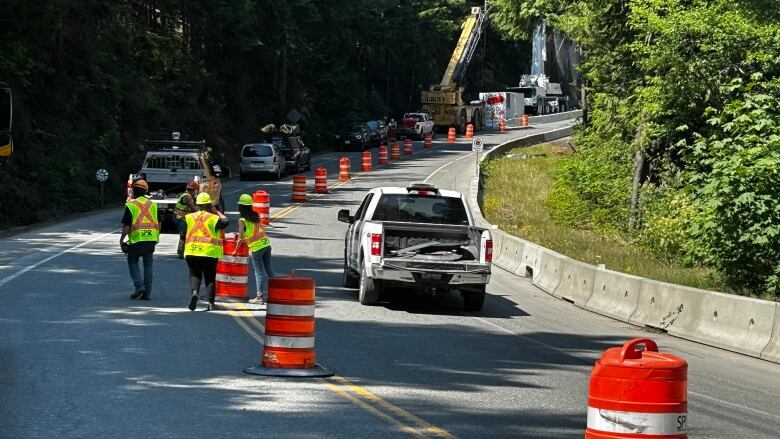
(79, 359)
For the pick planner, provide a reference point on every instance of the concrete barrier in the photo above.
(555, 117)
(614, 295)
(666, 306)
(497, 236)
(548, 276)
(576, 283)
(731, 322)
(772, 350)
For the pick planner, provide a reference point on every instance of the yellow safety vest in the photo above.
(254, 236)
(182, 209)
(145, 225)
(202, 236)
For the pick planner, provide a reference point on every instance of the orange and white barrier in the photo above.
(382, 159)
(321, 181)
(524, 121)
(344, 169)
(299, 188)
(261, 203)
(637, 394)
(501, 125)
(469, 131)
(232, 271)
(391, 134)
(408, 146)
(451, 135)
(289, 329)
(365, 165)
(395, 151)
(428, 142)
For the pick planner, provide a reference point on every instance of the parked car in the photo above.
(378, 132)
(296, 154)
(354, 135)
(262, 158)
(416, 125)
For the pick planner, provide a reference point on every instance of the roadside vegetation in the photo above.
(680, 148)
(520, 196)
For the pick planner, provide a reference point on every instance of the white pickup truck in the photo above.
(418, 237)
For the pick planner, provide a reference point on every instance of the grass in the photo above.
(515, 198)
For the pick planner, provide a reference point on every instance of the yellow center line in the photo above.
(246, 312)
(240, 320)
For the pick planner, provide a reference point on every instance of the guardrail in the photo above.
(740, 324)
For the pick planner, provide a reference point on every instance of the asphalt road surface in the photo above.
(79, 359)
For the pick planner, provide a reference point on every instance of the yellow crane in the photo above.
(6, 112)
(444, 101)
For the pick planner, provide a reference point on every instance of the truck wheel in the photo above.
(477, 120)
(348, 279)
(369, 290)
(474, 299)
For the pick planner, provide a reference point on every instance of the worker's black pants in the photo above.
(203, 267)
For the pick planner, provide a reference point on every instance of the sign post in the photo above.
(477, 146)
(102, 176)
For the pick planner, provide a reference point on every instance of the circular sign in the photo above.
(476, 145)
(101, 175)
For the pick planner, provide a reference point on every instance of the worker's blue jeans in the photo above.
(143, 250)
(261, 264)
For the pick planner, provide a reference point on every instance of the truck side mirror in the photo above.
(345, 217)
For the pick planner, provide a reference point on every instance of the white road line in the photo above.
(733, 404)
(445, 165)
(43, 261)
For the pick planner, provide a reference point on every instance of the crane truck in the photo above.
(444, 101)
(541, 95)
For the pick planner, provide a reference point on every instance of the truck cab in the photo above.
(417, 238)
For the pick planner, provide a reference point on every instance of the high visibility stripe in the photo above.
(289, 310)
(235, 259)
(232, 279)
(651, 424)
(289, 342)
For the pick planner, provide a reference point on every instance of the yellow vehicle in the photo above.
(444, 101)
(6, 117)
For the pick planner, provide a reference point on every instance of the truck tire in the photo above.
(348, 279)
(460, 122)
(476, 120)
(474, 299)
(369, 289)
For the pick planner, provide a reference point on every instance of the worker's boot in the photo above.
(180, 249)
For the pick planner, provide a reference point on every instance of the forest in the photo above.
(93, 79)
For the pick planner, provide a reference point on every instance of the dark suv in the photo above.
(354, 135)
(297, 155)
(378, 132)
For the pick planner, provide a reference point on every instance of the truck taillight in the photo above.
(376, 244)
(489, 250)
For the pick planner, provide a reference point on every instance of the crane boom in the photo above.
(464, 50)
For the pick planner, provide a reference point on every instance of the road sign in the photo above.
(294, 116)
(476, 145)
(101, 175)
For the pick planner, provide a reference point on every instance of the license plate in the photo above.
(430, 276)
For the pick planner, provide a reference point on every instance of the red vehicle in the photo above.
(416, 125)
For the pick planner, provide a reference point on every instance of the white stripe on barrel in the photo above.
(232, 279)
(289, 342)
(637, 423)
(290, 310)
(235, 259)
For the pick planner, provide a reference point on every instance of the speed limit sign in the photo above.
(101, 175)
(476, 145)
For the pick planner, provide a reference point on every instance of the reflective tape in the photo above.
(289, 310)
(638, 423)
(235, 259)
(289, 342)
(232, 279)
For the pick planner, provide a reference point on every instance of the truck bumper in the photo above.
(438, 278)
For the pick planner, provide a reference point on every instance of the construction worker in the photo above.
(141, 227)
(184, 205)
(251, 232)
(203, 247)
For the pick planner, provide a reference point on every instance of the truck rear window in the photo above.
(259, 150)
(419, 209)
(161, 161)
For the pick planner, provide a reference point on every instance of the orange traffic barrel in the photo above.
(638, 393)
(289, 329)
(501, 125)
(232, 270)
(408, 146)
(524, 121)
(391, 134)
(451, 135)
(395, 151)
(299, 188)
(366, 161)
(261, 203)
(344, 169)
(469, 131)
(382, 160)
(428, 143)
(321, 181)
(129, 188)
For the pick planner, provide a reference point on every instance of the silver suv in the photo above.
(262, 159)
